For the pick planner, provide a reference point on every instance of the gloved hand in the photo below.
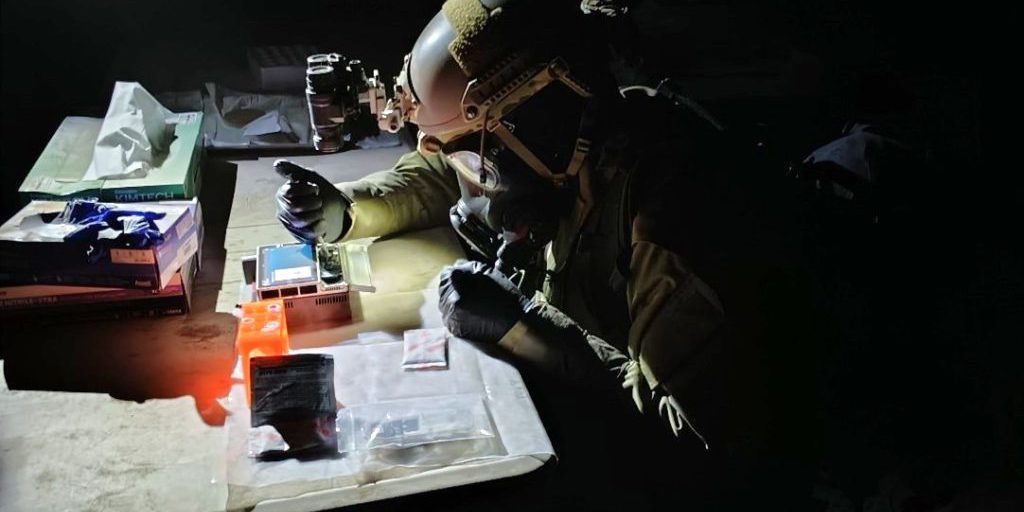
(479, 303)
(309, 206)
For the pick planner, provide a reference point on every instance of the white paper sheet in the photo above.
(241, 120)
(371, 373)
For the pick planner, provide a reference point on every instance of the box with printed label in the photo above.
(64, 304)
(33, 249)
(59, 171)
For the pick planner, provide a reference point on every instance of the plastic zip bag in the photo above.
(413, 422)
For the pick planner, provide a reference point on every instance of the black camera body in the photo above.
(344, 104)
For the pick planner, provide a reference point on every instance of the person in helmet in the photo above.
(656, 259)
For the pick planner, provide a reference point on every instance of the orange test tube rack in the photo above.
(262, 331)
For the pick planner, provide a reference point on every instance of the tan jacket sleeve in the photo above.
(552, 342)
(675, 315)
(415, 194)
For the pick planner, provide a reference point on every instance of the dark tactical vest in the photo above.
(587, 270)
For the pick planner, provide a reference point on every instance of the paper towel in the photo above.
(135, 134)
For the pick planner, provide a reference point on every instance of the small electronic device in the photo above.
(287, 270)
(313, 281)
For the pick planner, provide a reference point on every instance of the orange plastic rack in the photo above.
(262, 331)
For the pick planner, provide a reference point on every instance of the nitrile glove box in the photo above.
(62, 303)
(28, 258)
(59, 170)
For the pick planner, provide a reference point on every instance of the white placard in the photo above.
(287, 274)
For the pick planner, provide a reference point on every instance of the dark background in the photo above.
(809, 65)
(937, 394)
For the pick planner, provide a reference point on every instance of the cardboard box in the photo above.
(280, 68)
(57, 173)
(26, 258)
(63, 304)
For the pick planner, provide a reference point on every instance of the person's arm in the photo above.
(677, 320)
(479, 304)
(415, 194)
(550, 340)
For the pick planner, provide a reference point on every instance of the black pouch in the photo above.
(293, 394)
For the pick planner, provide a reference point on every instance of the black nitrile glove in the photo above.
(309, 206)
(479, 303)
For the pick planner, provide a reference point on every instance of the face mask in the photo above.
(505, 206)
(469, 216)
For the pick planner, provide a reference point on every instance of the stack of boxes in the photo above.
(45, 278)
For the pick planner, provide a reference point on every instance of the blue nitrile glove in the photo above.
(139, 231)
(81, 211)
(309, 206)
(479, 303)
(136, 228)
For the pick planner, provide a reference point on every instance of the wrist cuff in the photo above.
(524, 343)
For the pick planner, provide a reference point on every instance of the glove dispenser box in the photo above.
(35, 248)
